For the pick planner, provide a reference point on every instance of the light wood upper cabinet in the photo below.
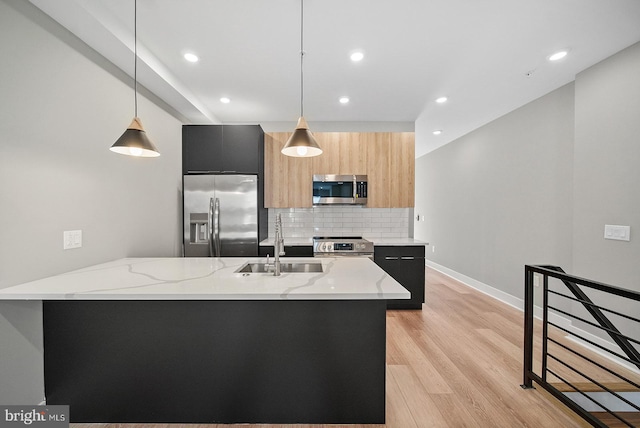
(288, 180)
(402, 169)
(329, 161)
(378, 145)
(387, 159)
(342, 153)
(274, 191)
(353, 154)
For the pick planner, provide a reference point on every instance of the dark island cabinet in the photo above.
(405, 264)
(227, 149)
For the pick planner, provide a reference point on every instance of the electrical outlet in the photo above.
(433, 249)
(618, 233)
(71, 239)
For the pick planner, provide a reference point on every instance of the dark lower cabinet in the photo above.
(289, 250)
(406, 265)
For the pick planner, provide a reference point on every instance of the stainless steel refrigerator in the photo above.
(220, 215)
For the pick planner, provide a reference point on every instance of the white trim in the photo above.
(480, 286)
(518, 303)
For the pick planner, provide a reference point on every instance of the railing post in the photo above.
(527, 381)
(545, 326)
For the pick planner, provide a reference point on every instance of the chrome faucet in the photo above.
(278, 245)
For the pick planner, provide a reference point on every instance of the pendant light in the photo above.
(301, 143)
(134, 141)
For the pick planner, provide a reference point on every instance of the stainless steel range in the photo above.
(342, 246)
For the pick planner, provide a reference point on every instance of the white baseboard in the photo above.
(518, 303)
(477, 285)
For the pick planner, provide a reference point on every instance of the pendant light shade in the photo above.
(301, 143)
(134, 140)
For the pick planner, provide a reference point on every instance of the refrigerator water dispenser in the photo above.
(198, 228)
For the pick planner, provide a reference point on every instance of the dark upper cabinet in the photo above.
(228, 149)
(201, 148)
(406, 265)
(222, 148)
(242, 148)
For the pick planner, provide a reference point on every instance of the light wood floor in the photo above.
(456, 363)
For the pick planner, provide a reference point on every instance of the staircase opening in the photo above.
(584, 348)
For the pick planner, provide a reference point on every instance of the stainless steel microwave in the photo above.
(333, 189)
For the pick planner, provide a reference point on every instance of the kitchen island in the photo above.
(190, 340)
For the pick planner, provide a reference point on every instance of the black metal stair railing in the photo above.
(552, 362)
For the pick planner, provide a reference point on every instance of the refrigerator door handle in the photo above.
(210, 227)
(216, 228)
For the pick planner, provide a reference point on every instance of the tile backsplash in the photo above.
(342, 221)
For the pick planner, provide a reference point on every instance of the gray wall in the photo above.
(607, 169)
(538, 185)
(607, 178)
(500, 197)
(61, 108)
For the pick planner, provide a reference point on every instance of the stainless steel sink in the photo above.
(311, 267)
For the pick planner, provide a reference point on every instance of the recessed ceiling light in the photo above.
(437, 132)
(441, 100)
(357, 56)
(225, 100)
(191, 57)
(558, 55)
(344, 100)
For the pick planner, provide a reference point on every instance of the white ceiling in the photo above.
(477, 53)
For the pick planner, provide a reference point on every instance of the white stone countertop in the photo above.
(396, 241)
(191, 278)
(376, 241)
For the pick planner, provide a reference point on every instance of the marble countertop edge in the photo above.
(207, 278)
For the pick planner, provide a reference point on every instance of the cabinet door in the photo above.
(353, 153)
(241, 147)
(402, 169)
(275, 194)
(406, 265)
(264, 250)
(288, 180)
(329, 161)
(300, 182)
(298, 250)
(289, 251)
(201, 148)
(377, 168)
(342, 153)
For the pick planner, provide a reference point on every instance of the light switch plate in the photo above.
(71, 239)
(618, 233)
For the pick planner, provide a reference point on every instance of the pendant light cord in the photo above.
(301, 58)
(135, 54)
